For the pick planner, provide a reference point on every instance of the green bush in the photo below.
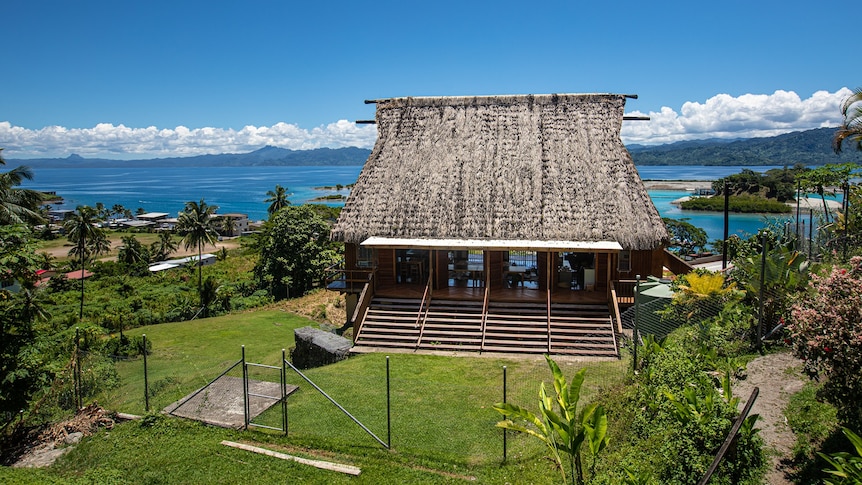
(97, 374)
(684, 419)
(124, 346)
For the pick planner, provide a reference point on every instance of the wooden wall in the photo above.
(386, 266)
(644, 263)
(350, 255)
(440, 262)
(494, 269)
(542, 266)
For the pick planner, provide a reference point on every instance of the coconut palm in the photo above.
(118, 210)
(277, 199)
(82, 229)
(133, 253)
(227, 225)
(17, 205)
(196, 225)
(851, 129)
(164, 246)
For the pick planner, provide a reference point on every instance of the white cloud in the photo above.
(746, 116)
(721, 116)
(108, 141)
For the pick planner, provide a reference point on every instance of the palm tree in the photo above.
(209, 294)
(118, 210)
(227, 225)
(851, 110)
(133, 253)
(277, 199)
(164, 246)
(195, 224)
(89, 239)
(17, 205)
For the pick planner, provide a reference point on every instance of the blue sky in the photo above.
(139, 79)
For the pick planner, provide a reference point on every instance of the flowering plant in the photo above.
(826, 332)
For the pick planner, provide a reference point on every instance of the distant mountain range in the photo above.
(266, 156)
(812, 147)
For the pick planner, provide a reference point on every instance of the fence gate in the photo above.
(261, 395)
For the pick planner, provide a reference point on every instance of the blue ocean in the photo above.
(243, 189)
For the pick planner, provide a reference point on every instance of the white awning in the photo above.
(491, 244)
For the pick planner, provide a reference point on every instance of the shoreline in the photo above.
(681, 185)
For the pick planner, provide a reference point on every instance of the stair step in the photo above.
(516, 327)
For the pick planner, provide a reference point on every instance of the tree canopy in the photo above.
(295, 250)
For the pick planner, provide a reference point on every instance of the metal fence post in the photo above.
(637, 317)
(810, 232)
(799, 236)
(284, 391)
(760, 322)
(244, 389)
(146, 380)
(76, 370)
(504, 402)
(388, 408)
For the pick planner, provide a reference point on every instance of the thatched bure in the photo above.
(541, 168)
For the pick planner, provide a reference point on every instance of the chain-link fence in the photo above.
(421, 404)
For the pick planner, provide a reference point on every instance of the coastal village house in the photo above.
(238, 224)
(496, 224)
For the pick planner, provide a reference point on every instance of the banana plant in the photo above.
(692, 407)
(595, 422)
(561, 428)
(846, 468)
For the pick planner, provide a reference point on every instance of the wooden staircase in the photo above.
(509, 327)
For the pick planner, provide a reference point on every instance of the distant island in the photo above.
(811, 147)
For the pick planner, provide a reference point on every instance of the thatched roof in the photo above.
(540, 168)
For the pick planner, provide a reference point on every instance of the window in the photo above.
(624, 263)
(364, 257)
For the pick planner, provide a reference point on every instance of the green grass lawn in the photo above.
(442, 423)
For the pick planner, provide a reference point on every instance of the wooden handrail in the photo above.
(420, 318)
(351, 277)
(362, 305)
(485, 302)
(615, 307)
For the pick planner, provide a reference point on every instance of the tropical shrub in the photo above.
(564, 430)
(683, 418)
(698, 296)
(771, 285)
(826, 331)
(846, 468)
